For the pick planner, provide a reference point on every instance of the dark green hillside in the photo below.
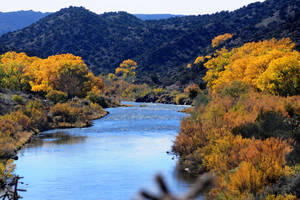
(162, 48)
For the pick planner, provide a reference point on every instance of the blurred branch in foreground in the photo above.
(202, 184)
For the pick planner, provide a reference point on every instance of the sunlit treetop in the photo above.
(220, 39)
(127, 70)
(66, 73)
(270, 66)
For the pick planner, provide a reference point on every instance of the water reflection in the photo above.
(56, 138)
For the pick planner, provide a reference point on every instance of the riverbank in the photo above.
(26, 115)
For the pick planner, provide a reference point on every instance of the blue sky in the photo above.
(132, 6)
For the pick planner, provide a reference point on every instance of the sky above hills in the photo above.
(186, 7)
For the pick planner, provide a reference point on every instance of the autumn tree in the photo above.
(66, 73)
(127, 70)
(271, 66)
(12, 66)
(220, 39)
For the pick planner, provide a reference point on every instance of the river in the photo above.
(111, 160)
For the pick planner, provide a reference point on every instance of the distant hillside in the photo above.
(155, 16)
(11, 21)
(162, 48)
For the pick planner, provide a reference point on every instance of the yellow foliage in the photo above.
(158, 91)
(282, 75)
(281, 197)
(220, 39)
(199, 59)
(270, 66)
(127, 70)
(66, 73)
(12, 66)
(246, 179)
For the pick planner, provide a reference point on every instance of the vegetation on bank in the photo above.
(38, 94)
(122, 85)
(245, 129)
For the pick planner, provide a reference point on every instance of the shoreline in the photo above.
(32, 134)
(28, 138)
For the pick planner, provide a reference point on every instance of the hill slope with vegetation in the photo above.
(162, 48)
(244, 127)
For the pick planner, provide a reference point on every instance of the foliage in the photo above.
(158, 91)
(281, 197)
(127, 70)
(270, 66)
(192, 91)
(57, 96)
(12, 67)
(61, 73)
(151, 43)
(218, 40)
(244, 166)
(182, 99)
(66, 73)
(18, 99)
(67, 112)
(244, 134)
(16, 127)
(75, 113)
(6, 169)
(235, 89)
(95, 98)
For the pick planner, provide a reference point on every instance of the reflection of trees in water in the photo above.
(57, 138)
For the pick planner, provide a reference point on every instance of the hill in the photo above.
(162, 48)
(11, 21)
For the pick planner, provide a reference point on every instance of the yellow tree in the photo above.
(220, 39)
(127, 70)
(270, 66)
(66, 73)
(12, 67)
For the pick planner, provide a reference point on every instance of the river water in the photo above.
(111, 160)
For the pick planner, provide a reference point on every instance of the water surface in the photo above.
(113, 159)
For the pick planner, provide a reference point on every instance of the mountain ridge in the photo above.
(15, 20)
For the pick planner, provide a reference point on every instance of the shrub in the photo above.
(201, 99)
(235, 89)
(57, 96)
(158, 91)
(18, 99)
(182, 99)
(68, 112)
(37, 114)
(281, 197)
(192, 91)
(100, 100)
